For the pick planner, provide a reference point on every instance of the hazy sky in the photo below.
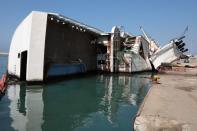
(162, 19)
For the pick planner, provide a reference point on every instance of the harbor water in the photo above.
(99, 102)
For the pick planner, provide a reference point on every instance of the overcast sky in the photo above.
(162, 19)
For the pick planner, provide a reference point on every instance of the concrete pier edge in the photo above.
(171, 105)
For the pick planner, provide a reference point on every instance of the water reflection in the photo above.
(97, 102)
(123, 90)
(21, 101)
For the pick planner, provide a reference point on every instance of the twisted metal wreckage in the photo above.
(47, 44)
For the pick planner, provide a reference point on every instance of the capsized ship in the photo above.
(47, 45)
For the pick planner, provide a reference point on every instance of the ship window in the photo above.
(101, 49)
(19, 55)
(101, 62)
(141, 52)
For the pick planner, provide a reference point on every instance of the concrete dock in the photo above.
(170, 105)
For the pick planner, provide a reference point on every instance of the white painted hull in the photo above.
(167, 54)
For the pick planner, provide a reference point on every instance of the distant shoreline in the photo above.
(3, 54)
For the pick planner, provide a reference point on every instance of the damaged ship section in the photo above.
(123, 53)
(166, 54)
(47, 45)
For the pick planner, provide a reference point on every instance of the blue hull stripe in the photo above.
(59, 69)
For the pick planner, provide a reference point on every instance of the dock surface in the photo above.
(170, 105)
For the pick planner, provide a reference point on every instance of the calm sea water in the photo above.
(88, 103)
(3, 64)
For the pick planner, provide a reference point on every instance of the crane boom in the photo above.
(153, 46)
(145, 35)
